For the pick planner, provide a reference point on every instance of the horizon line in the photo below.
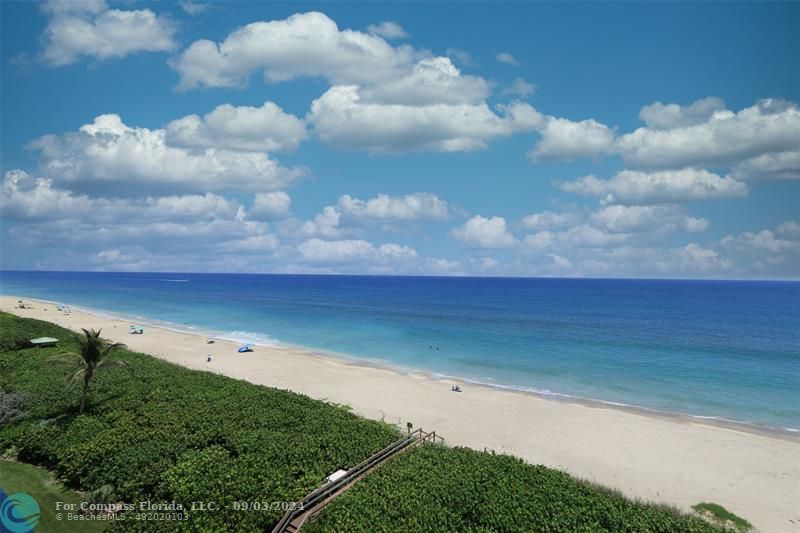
(465, 276)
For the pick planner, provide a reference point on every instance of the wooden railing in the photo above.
(313, 503)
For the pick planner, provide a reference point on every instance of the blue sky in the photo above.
(524, 139)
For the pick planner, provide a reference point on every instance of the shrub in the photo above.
(434, 488)
(717, 514)
(10, 408)
(16, 333)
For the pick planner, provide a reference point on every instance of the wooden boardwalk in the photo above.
(316, 500)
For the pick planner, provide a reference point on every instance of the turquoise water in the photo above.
(724, 349)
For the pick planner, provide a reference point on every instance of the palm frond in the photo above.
(65, 357)
(95, 352)
(109, 349)
(111, 363)
(76, 376)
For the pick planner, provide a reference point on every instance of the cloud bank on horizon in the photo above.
(285, 154)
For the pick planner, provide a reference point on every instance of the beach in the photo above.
(670, 459)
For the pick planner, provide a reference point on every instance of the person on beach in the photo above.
(209, 358)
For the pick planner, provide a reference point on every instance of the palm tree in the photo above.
(95, 353)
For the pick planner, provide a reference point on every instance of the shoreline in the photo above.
(661, 457)
(791, 434)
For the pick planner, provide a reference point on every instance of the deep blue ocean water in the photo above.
(726, 349)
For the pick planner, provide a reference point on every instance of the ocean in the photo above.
(719, 349)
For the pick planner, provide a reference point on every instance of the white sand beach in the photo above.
(675, 460)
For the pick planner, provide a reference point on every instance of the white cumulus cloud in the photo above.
(764, 240)
(382, 98)
(462, 57)
(660, 116)
(433, 80)
(325, 224)
(636, 187)
(188, 232)
(341, 118)
(646, 218)
(305, 44)
(725, 138)
(589, 236)
(482, 232)
(520, 88)
(508, 59)
(34, 199)
(777, 166)
(194, 8)
(78, 29)
(565, 139)
(790, 229)
(349, 250)
(695, 258)
(134, 160)
(388, 30)
(252, 129)
(410, 207)
(549, 220)
(270, 206)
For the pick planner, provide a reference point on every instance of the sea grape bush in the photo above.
(434, 488)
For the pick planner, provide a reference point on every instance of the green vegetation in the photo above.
(11, 408)
(433, 488)
(722, 517)
(158, 432)
(17, 337)
(93, 354)
(39, 483)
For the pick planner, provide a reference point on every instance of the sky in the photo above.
(451, 138)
